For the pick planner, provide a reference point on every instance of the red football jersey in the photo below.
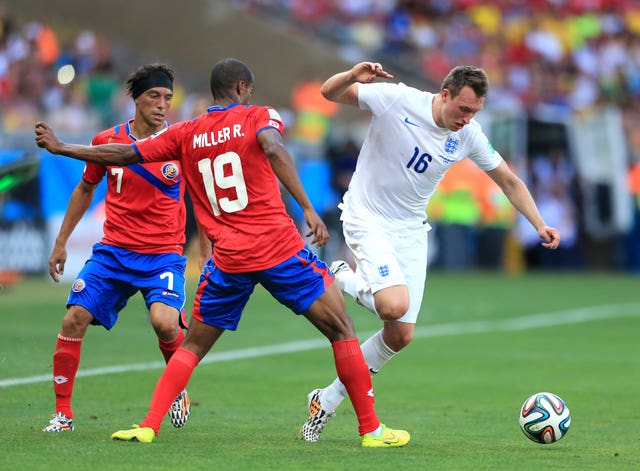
(144, 206)
(236, 195)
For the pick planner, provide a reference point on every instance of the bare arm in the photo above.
(106, 154)
(342, 87)
(521, 198)
(80, 200)
(284, 168)
(206, 248)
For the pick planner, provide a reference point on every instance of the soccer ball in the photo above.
(544, 418)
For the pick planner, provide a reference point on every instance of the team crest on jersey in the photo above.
(273, 114)
(383, 270)
(170, 171)
(451, 146)
(78, 285)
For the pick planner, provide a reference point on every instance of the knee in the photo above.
(398, 340)
(165, 321)
(392, 309)
(165, 328)
(75, 322)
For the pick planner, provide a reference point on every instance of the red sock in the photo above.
(354, 374)
(173, 380)
(66, 359)
(170, 347)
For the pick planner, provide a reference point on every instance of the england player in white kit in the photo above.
(413, 138)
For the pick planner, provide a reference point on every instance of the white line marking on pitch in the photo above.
(573, 316)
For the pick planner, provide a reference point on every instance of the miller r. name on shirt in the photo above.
(213, 138)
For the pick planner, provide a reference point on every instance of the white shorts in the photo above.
(386, 259)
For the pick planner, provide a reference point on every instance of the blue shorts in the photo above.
(296, 283)
(112, 275)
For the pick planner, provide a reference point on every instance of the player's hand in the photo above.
(46, 138)
(317, 229)
(367, 72)
(550, 236)
(56, 262)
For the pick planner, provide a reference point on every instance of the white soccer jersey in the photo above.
(405, 155)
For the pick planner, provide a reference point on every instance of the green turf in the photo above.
(457, 388)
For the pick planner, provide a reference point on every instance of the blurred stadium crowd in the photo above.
(66, 77)
(572, 53)
(576, 56)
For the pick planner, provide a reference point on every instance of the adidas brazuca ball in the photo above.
(544, 418)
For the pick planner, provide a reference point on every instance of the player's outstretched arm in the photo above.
(106, 154)
(521, 198)
(341, 87)
(284, 168)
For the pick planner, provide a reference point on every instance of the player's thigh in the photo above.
(162, 281)
(387, 260)
(377, 259)
(328, 314)
(305, 285)
(165, 320)
(298, 281)
(414, 268)
(75, 321)
(201, 337)
(221, 297)
(99, 289)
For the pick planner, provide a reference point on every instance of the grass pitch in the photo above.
(484, 342)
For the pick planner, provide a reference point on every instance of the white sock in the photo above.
(376, 353)
(333, 395)
(347, 282)
(377, 432)
(366, 299)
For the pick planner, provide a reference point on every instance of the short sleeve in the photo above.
(378, 97)
(482, 152)
(269, 117)
(93, 173)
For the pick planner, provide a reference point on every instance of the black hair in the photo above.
(149, 76)
(225, 74)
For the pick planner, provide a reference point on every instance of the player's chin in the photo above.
(159, 119)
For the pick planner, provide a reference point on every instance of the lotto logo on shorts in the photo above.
(78, 285)
(170, 171)
(170, 293)
(383, 270)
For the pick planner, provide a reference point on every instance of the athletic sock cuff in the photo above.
(186, 356)
(346, 348)
(69, 339)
